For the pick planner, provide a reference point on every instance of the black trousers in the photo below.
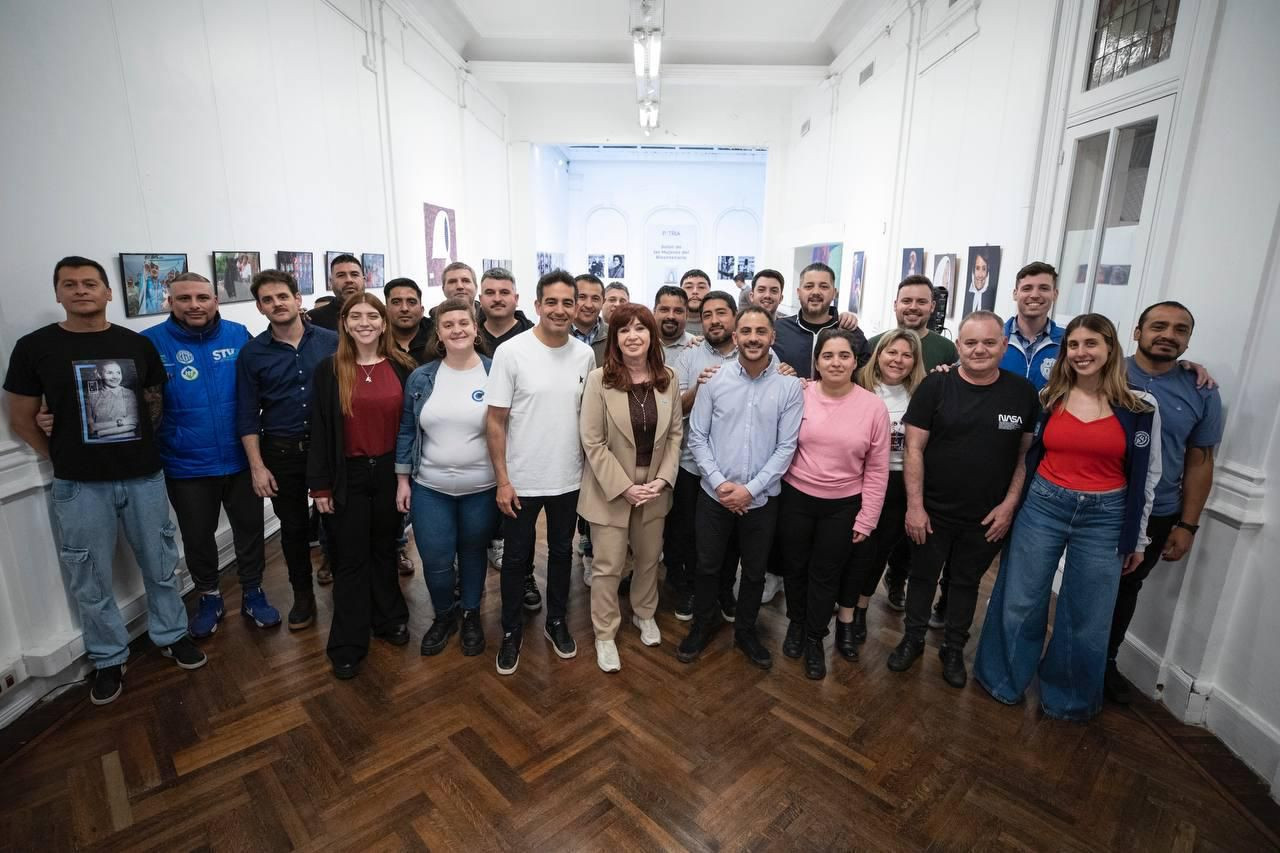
(963, 548)
(900, 568)
(1158, 528)
(366, 581)
(861, 574)
(520, 534)
(197, 502)
(815, 538)
(680, 541)
(286, 459)
(719, 530)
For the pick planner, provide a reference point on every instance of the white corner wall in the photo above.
(261, 125)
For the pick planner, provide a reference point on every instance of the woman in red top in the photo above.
(357, 401)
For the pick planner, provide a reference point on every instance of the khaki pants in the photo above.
(610, 545)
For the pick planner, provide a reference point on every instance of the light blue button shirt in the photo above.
(688, 368)
(744, 430)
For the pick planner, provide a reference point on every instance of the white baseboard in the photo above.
(1248, 735)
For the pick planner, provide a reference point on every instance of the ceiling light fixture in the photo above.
(646, 43)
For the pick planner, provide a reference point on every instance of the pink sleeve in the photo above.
(875, 473)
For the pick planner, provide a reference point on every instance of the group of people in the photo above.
(741, 448)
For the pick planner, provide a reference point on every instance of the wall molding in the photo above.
(1239, 495)
(496, 71)
(1248, 735)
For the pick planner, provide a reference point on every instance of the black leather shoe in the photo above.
(696, 640)
(684, 606)
(859, 625)
(901, 658)
(753, 648)
(437, 637)
(561, 640)
(397, 636)
(953, 671)
(472, 634)
(815, 659)
(509, 654)
(793, 644)
(896, 593)
(846, 645)
(303, 612)
(346, 671)
(532, 599)
(1115, 686)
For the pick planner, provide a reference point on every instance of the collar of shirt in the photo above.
(771, 367)
(588, 337)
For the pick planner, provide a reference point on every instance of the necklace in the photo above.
(641, 399)
(368, 374)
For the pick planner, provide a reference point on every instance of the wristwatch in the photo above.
(1190, 528)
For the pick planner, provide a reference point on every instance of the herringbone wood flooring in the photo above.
(264, 750)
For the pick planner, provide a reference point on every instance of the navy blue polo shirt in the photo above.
(274, 382)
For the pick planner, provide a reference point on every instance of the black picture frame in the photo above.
(229, 281)
(144, 300)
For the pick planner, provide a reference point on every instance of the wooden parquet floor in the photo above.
(264, 750)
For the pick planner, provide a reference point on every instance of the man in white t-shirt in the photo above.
(534, 394)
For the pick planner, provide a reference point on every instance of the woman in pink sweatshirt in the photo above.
(831, 494)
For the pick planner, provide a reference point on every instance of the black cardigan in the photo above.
(326, 459)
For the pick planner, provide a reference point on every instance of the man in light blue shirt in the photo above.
(742, 433)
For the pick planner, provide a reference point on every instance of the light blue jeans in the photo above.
(1086, 525)
(445, 527)
(86, 520)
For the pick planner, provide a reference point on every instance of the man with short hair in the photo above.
(670, 310)
(913, 307)
(346, 278)
(797, 335)
(458, 281)
(103, 385)
(273, 420)
(498, 299)
(743, 431)
(766, 290)
(1033, 337)
(206, 470)
(615, 294)
(697, 285)
(968, 431)
(588, 323)
(1191, 425)
(534, 394)
(405, 311)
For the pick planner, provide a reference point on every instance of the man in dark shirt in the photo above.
(346, 278)
(103, 385)
(498, 299)
(798, 334)
(273, 420)
(968, 431)
(404, 308)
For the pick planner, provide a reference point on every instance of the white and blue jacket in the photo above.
(1035, 363)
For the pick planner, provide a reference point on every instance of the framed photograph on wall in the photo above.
(944, 276)
(725, 267)
(374, 271)
(496, 263)
(982, 279)
(855, 282)
(441, 224)
(912, 262)
(595, 265)
(233, 274)
(617, 266)
(328, 265)
(298, 265)
(146, 278)
(747, 265)
(544, 263)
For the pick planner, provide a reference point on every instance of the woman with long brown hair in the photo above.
(356, 407)
(1091, 476)
(631, 427)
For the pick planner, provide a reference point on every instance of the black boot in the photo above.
(859, 625)
(793, 643)
(472, 633)
(846, 645)
(815, 659)
(303, 612)
(437, 637)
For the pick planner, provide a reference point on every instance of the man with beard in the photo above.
(1191, 426)
(273, 420)
(498, 299)
(696, 284)
(588, 325)
(670, 309)
(796, 335)
(405, 311)
(913, 308)
(346, 278)
(743, 430)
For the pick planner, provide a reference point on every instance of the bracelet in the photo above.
(1190, 528)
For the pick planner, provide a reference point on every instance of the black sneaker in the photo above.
(729, 609)
(509, 654)
(793, 644)
(684, 606)
(896, 594)
(699, 636)
(1115, 686)
(815, 659)
(953, 671)
(108, 683)
(532, 598)
(561, 640)
(901, 658)
(186, 654)
(437, 637)
(751, 646)
(472, 634)
(303, 612)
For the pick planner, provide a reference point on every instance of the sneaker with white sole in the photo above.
(185, 653)
(108, 683)
(772, 586)
(607, 655)
(649, 633)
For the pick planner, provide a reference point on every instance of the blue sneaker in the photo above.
(257, 608)
(208, 615)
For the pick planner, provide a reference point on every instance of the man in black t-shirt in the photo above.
(102, 383)
(968, 431)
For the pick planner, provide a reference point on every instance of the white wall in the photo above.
(191, 127)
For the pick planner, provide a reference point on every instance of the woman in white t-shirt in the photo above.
(446, 480)
(895, 370)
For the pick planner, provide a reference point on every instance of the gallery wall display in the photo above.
(328, 265)
(944, 276)
(595, 265)
(548, 261)
(441, 224)
(859, 275)
(982, 279)
(233, 274)
(912, 262)
(495, 263)
(146, 278)
(300, 266)
(374, 271)
(747, 265)
(725, 267)
(617, 266)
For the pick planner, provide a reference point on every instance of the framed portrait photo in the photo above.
(233, 274)
(298, 265)
(146, 277)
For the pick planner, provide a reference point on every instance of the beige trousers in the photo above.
(610, 545)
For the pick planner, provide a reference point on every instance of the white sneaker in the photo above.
(495, 553)
(772, 586)
(649, 633)
(587, 563)
(607, 655)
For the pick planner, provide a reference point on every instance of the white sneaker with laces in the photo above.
(772, 586)
(607, 655)
(649, 633)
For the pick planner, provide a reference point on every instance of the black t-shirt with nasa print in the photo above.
(975, 432)
(92, 382)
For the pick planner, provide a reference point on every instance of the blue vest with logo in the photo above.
(1034, 365)
(197, 435)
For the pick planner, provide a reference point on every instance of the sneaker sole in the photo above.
(604, 668)
(533, 608)
(562, 655)
(255, 621)
(196, 636)
(114, 696)
(188, 666)
(513, 668)
(684, 617)
(728, 617)
(298, 626)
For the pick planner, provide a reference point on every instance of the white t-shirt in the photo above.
(454, 458)
(896, 398)
(542, 386)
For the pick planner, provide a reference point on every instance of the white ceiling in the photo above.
(715, 32)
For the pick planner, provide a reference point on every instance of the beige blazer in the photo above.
(610, 448)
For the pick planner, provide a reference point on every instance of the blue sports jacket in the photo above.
(1034, 366)
(197, 434)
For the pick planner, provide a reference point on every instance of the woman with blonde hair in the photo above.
(895, 370)
(356, 408)
(1091, 476)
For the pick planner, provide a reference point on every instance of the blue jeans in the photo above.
(86, 519)
(444, 525)
(1087, 526)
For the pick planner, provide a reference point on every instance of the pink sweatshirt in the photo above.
(843, 450)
